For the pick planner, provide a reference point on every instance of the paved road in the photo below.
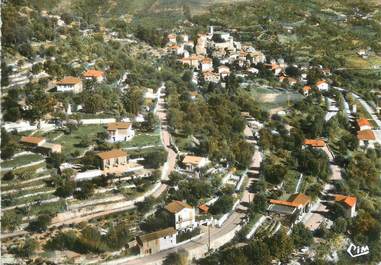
(313, 219)
(166, 140)
(369, 109)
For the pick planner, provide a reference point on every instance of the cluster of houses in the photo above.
(75, 85)
(182, 215)
(213, 54)
(297, 205)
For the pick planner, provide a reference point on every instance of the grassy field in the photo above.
(274, 99)
(21, 160)
(70, 142)
(142, 139)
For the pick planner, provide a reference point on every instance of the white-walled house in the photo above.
(156, 241)
(193, 162)
(183, 214)
(120, 131)
(224, 71)
(91, 74)
(206, 65)
(296, 204)
(176, 49)
(366, 138)
(306, 90)
(69, 84)
(322, 85)
(253, 70)
(113, 162)
(349, 204)
(172, 38)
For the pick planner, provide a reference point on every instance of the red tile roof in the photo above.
(347, 200)
(295, 200)
(93, 73)
(118, 125)
(176, 206)
(156, 235)
(69, 80)
(366, 135)
(32, 139)
(314, 142)
(363, 122)
(204, 208)
(112, 154)
(192, 160)
(306, 88)
(321, 82)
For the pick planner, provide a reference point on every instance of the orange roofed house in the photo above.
(317, 143)
(322, 85)
(172, 38)
(69, 84)
(183, 215)
(114, 161)
(206, 65)
(95, 75)
(363, 124)
(366, 138)
(306, 90)
(39, 144)
(349, 204)
(297, 204)
(120, 131)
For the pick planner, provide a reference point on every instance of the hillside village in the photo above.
(206, 148)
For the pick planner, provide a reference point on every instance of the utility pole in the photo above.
(208, 237)
(288, 100)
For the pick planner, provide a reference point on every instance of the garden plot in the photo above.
(71, 143)
(268, 228)
(37, 196)
(142, 140)
(21, 160)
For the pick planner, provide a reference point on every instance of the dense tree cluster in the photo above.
(261, 252)
(216, 119)
(90, 240)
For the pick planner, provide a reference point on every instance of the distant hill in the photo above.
(196, 6)
(120, 7)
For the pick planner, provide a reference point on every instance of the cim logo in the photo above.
(357, 251)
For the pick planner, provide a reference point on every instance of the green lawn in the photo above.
(291, 181)
(142, 139)
(70, 142)
(21, 160)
